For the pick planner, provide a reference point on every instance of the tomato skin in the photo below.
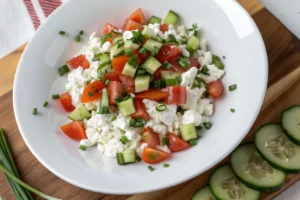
(177, 95)
(157, 73)
(194, 62)
(150, 137)
(109, 40)
(168, 52)
(75, 130)
(141, 111)
(115, 89)
(130, 25)
(92, 92)
(153, 156)
(177, 68)
(119, 63)
(79, 61)
(152, 94)
(138, 16)
(128, 84)
(112, 76)
(107, 28)
(164, 27)
(176, 144)
(215, 88)
(66, 102)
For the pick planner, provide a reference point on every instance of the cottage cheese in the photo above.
(214, 73)
(205, 58)
(193, 95)
(188, 77)
(127, 35)
(191, 116)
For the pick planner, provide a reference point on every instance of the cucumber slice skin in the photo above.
(215, 194)
(252, 186)
(203, 192)
(153, 19)
(171, 18)
(272, 163)
(288, 134)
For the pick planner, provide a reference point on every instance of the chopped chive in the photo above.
(172, 38)
(207, 125)
(183, 62)
(138, 158)
(232, 110)
(138, 37)
(124, 139)
(90, 94)
(45, 103)
(164, 141)
(120, 43)
(199, 128)
(233, 87)
(224, 57)
(132, 122)
(82, 147)
(218, 62)
(63, 70)
(103, 39)
(81, 32)
(119, 54)
(166, 65)
(142, 50)
(151, 168)
(35, 111)
(194, 27)
(113, 118)
(55, 96)
(155, 51)
(106, 82)
(204, 70)
(118, 99)
(104, 64)
(116, 32)
(139, 124)
(127, 97)
(193, 142)
(100, 74)
(78, 38)
(179, 79)
(132, 61)
(161, 107)
(62, 32)
(140, 72)
(166, 165)
(128, 52)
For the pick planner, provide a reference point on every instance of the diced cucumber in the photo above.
(129, 156)
(104, 61)
(129, 44)
(277, 149)
(153, 19)
(225, 185)
(171, 18)
(188, 132)
(115, 50)
(290, 121)
(203, 193)
(169, 77)
(129, 70)
(218, 62)
(151, 65)
(251, 169)
(153, 46)
(158, 38)
(141, 83)
(80, 113)
(116, 39)
(193, 44)
(148, 32)
(104, 104)
(126, 107)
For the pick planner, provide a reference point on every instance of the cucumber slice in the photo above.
(129, 70)
(251, 169)
(115, 50)
(153, 46)
(148, 32)
(277, 149)
(151, 65)
(171, 17)
(290, 121)
(116, 39)
(80, 113)
(225, 186)
(188, 131)
(169, 77)
(129, 156)
(129, 44)
(104, 104)
(203, 193)
(193, 44)
(153, 19)
(141, 83)
(126, 107)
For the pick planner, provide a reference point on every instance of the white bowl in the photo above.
(230, 31)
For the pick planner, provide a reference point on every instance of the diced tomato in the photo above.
(177, 95)
(92, 91)
(153, 94)
(175, 143)
(141, 111)
(66, 102)
(138, 16)
(150, 137)
(109, 40)
(215, 89)
(128, 84)
(115, 89)
(177, 68)
(168, 52)
(194, 62)
(164, 27)
(130, 25)
(141, 57)
(74, 130)
(79, 61)
(107, 28)
(157, 73)
(113, 76)
(119, 63)
(153, 156)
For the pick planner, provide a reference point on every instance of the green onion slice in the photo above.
(161, 107)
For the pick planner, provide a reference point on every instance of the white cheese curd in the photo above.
(87, 143)
(181, 30)
(188, 77)
(113, 147)
(203, 44)
(77, 80)
(214, 74)
(202, 105)
(93, 69)
(140, 149)
(163, 148)
(183, 50)
(160, 129)
(205, 58)
(149, 103)
(205, 119)
(156, 28)
(193, 95)
(100, 147)
(127, 35)
(92, 105)
(106, 46)
(122, 123)
(191, 116)
(168, 116)
(92, 47)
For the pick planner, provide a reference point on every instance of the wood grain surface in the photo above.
(284, 90)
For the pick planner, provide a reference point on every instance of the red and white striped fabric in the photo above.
(19, 20)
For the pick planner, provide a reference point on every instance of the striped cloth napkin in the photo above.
(19, 20)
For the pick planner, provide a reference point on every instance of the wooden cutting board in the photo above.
(284, 90)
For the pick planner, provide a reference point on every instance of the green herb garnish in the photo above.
(124, 139)
(45, 103)
(62, 32)
(166, 165)
(35, 111)
(233, 87)
(151, 168)
(55, 96)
